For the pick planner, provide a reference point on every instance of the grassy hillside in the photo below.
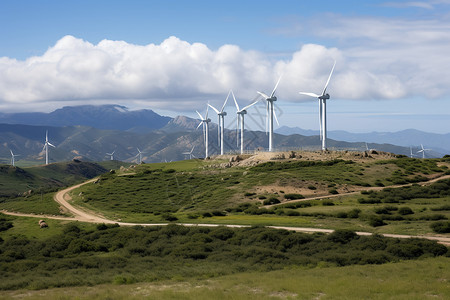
(208, 192)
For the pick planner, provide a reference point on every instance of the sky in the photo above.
(392, 59)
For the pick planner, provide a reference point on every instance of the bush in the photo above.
(341, 214)
(271, 201)
(405, 211)
(333, 191)
(218, 213)
(169, 217)
(342, 236)
(376, 221)
(293, 196)
(249, 194)
(354, 213)
(440, 227)
(327, 203)
(312, 187)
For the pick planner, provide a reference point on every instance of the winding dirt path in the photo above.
(63, 198)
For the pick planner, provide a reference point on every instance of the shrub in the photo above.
(271, 200)
(354, 213)
(261, 197)
(342, 215)
(291, 213)
(405, 211)
(381, 211)
(293, 196)
(312, 187)
(376, 221)
(342, 236)
(169, 217)
(327, 203)
(207, 215)
(218, 213)
(333, 191)
(249, 194)
(440, 227)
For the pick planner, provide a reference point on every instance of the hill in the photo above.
(15, 180)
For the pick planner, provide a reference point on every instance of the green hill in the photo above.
(15, 180)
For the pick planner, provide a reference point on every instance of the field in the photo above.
(379, 195)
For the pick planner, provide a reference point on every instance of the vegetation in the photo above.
(111, 254)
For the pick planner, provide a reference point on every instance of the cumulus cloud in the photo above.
(381, 59)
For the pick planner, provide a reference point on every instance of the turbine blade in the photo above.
(329, 77)
(11, 152)
(309, 94)
(275, 88)
(206, 116)
(192, 149)
(248, 106)
(226, 100)
(50, 144)
(213, 108)
(276, 119)
(235, 102)
(201, 122)
(201, 117)
(264, 95)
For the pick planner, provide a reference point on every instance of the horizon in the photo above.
(391, 73)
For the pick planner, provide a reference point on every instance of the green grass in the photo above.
(389, 281)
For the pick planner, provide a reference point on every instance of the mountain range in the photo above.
(89, 132)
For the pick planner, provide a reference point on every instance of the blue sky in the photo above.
(392, 71)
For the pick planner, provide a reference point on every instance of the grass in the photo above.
(389, 281)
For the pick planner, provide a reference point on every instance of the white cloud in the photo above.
(377, 59)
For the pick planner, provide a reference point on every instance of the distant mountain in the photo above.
(114, 117)
(407, 138)
(92, 144)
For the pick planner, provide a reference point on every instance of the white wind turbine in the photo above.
(240, 117)
(140, 155)
(12, 157)
(221, 123)
(190, 153)
(411, 155)
(323, 109)
(46, 144)
(270, 112)
(111, 154)
(423, 151)
(205, 121)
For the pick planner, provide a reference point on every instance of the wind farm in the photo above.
(224, 150)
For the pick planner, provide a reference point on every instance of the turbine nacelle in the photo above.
(324, 97)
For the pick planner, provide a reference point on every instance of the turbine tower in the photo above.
(190, 153)
(270, 112)
(240, 117)
(323, 110)
(12, 157)
(221, 123)
(46, 144)
(111, 154)
(205, 121)
(423, 151)
(140, 155)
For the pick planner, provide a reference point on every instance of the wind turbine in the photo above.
(270, 112)
(46, 144)
(322, 110)
(111, 154)
(12, 157)
(411, 153)
(221, 123)
(423, 151)
(140, 155)
(190, 153)
(240, 117)
(205, 121)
